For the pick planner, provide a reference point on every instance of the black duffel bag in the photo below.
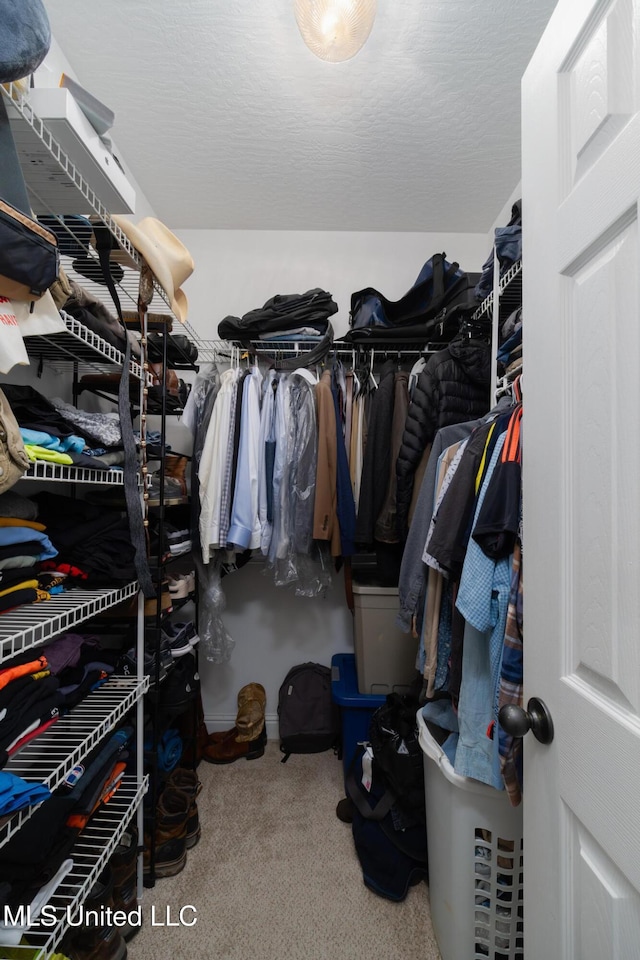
(420, 313)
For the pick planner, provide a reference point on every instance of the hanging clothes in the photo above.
(452, 388)
(412, 572)
(483, 599)
(267, 447)
(386, 526)
(345, 506)
(325, 515)
(244, 530)
(377, 457)
(214, 465)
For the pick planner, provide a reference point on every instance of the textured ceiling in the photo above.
(228, 121)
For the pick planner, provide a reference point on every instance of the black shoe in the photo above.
(344, 810)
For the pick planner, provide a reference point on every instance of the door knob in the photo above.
(536, 718)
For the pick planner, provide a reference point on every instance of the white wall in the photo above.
(235, 272)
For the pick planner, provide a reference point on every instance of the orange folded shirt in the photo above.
(12, 673)
(15, 522)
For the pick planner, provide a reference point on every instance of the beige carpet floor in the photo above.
(275, 876)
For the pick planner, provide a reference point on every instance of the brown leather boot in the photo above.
(124, 866)
(172, 813)
(252, 691)
(187, 781)
(230, 750)
(252, 700)
(176, 467)
(219, 735)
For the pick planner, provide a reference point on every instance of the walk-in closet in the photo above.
(273, 477)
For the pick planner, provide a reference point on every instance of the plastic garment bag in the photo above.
(294, 557)
(215, 642)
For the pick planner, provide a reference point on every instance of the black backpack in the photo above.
(308, 718)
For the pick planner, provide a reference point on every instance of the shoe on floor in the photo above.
(229, 750)
(171, 858)
(344, 810)
(124, 865)
(187, 781)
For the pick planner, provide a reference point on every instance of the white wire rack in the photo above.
(78, 344)
(90, 853)
(33, 623)
(44, 470)
(505, 281)
(55, 186)
(50, 757)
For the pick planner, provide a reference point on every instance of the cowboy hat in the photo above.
(169, 260)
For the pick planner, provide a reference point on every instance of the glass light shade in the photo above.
(335, 29)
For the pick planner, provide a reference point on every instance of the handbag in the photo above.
(13, 458)
(29, 255)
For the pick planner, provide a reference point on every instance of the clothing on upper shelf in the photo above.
(284, 312)
(57, 432)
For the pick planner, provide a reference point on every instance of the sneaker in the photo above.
(179, 542)
(174, 491)
(182, 585)
(178, 638)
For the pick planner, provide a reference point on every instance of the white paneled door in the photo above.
(581, 549)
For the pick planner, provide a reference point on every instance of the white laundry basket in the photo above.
(474, 838)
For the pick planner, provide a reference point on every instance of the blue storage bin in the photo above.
(355, 708)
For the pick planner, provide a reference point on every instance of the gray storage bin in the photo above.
(385, 656)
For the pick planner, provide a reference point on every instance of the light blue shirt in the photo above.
(483, 599)
(10, 535)
(244, 528)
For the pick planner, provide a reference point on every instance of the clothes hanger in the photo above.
(356, 379)
(372, 379)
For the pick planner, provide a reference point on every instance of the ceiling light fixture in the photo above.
(335, 29)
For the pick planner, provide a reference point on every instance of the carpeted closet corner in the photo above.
(275, 876)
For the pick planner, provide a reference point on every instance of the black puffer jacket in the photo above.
(452, 388)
